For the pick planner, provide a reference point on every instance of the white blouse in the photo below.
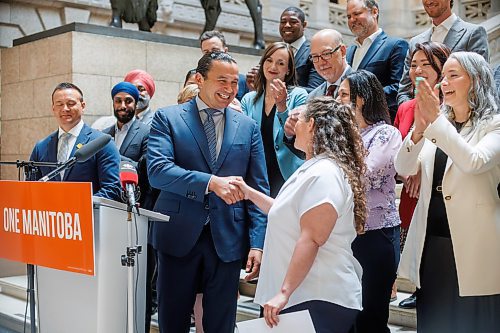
(335, 275)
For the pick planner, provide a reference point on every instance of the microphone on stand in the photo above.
(91, 148)
(129, 180)
(81, 155)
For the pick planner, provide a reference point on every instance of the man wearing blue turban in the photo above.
(131, 136)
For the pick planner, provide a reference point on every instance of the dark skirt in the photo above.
(327, 317)
(439, 306)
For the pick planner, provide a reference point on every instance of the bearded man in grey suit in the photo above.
(449, 29)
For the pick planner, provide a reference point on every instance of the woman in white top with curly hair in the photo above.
(307, 262)
(452, 251)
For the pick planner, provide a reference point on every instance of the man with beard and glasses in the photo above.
(146, 86)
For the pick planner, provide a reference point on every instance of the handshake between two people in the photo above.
(231, 189)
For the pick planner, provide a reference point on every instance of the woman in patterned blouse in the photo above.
(377, 249)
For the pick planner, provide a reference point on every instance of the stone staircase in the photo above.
(13, 304)
(405, 319)
(13, 307)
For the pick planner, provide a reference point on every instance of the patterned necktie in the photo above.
(209, 127)
(62, 152)
(331, 90)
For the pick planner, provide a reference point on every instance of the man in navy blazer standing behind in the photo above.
(195, 149)
(374, 51)
(101, 169)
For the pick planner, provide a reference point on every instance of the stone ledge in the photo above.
(124, 33)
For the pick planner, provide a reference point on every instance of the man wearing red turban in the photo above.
(146, 86)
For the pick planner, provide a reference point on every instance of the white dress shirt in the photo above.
(120, 134)
(218, 120)
(439, 32)
(362, 48)
(297, 44)
(75, 132)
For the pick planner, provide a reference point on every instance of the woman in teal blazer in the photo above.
(274, 96)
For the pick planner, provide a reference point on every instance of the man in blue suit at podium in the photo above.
(194, 151)
(101, 170)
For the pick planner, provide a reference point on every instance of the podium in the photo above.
(77, 303)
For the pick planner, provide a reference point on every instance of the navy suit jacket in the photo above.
(178, 164)
(101, 170)
(385, 58)
(135, 144)
(321, 89)
(307, 77)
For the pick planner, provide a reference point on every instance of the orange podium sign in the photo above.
(48, 224)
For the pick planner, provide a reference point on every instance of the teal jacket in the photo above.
(287, 160)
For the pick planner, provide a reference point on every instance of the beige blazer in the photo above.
(471, 199)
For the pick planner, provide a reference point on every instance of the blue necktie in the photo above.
(209, 127)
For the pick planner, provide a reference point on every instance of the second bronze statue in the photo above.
(134, 11)
(213, 9)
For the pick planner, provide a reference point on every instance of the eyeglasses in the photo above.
(327, 55)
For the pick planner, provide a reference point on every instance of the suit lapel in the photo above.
(131, 133)
(300, 56)
(454, 35)
(231, 125)
(52, 151)
(82, 138)
(111, 131)
(373, 49)
(350, 54)
(257, 110)
(191, 117)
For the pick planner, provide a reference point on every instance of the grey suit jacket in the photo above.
(463, 36)
(321, 89)
(135, 144)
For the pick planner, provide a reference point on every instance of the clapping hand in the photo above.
(250, 78)
(279, 93)
(427, 108)
(289, 127)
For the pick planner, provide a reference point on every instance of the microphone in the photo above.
(129, 180)
(91, 148)
(81, 155)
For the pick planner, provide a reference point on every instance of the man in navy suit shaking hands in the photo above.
(195, 149)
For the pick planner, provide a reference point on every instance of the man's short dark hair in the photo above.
(451, 3)
(298, 11)
(211, 34)
(67, 85)
(205, 62)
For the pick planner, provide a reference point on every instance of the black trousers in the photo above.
(375, 252)
(151, 297)
(327, 317)
(179, 279)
